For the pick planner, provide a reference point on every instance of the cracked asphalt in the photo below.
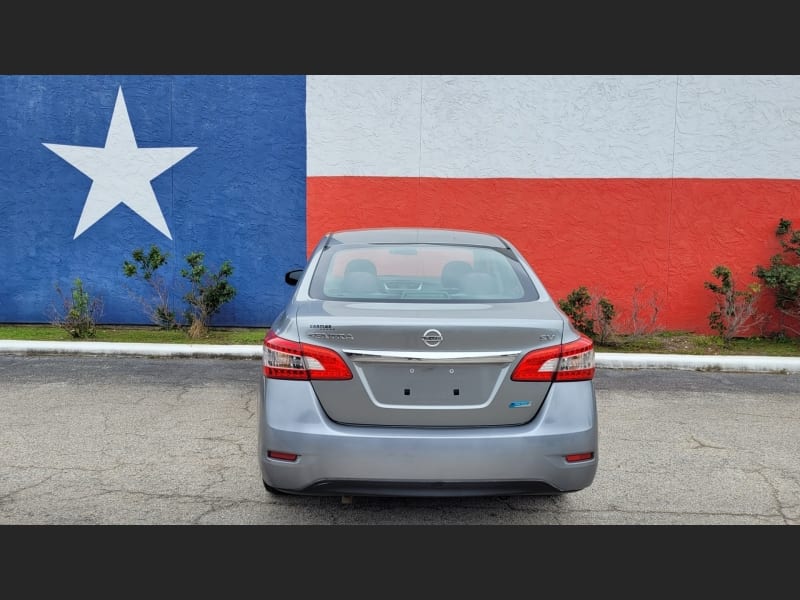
(110, 439)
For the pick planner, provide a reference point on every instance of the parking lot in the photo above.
(134, 440)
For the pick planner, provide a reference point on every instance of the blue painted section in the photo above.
(240, 196)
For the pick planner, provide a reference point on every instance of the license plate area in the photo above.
(439, 385)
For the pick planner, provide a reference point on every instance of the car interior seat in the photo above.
(362, 265)
(360, 282)
(360, 277)
(478, 284)
(452, 273)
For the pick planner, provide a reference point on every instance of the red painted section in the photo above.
(610, 235)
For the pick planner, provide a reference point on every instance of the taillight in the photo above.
(284, 359)
(573, 361)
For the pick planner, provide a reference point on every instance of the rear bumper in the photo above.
(337, 459)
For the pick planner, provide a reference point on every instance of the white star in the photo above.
(121, 172)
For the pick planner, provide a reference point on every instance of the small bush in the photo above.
(576, 305)
(735, 310)
(643, 319)
(144, 266)
(604, 318)
(209, 291)
(782, 276)
(591, 315)
(79, 311)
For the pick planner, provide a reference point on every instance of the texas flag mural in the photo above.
(93, 167)
(633, 186)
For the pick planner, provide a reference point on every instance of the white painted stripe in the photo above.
(537, 126)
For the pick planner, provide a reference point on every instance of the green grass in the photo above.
(135, 334)
(681, 342)
(667, 342)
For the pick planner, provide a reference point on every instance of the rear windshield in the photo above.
(420, 273)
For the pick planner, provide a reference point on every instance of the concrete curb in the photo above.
(693, 362)
(605, 360)
(151, 350)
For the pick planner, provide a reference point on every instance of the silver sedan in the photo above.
(424, 362)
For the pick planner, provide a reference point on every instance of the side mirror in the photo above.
(293, 276)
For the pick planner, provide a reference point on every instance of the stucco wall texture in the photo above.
(633, 186)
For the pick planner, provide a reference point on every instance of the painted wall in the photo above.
(93, 167)
(617, 183)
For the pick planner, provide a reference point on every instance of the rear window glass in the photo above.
(420, 273)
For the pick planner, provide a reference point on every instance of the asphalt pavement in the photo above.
(604, 360)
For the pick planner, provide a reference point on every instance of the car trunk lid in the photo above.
(430, 365)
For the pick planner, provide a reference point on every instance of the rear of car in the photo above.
(424, 362)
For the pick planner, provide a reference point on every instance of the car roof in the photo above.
(415, 235)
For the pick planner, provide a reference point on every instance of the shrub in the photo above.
(144, 267)
(591, 315)
(735, 309)
(643, 319)
(209, 291)
(576, 306)
(783, 274)
(79, 311)
(604, 317)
